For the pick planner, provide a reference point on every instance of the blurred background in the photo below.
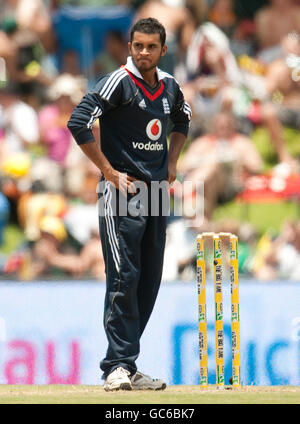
(239, 66)
(238, 63)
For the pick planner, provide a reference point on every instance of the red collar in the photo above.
(150, 96)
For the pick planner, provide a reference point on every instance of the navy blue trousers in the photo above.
(133, 249)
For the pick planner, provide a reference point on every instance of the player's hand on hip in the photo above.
(121, 181)
(172, 173)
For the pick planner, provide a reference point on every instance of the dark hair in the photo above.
(149, 26)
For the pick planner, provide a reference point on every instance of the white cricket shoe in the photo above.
(118, 380)
(140, 381)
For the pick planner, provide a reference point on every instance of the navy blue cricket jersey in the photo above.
(133, 120)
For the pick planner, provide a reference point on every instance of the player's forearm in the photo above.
(177, 141)
(93, 151)
(84, 137)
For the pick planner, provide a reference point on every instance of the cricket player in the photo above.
(135, 105)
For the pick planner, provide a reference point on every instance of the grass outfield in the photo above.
(172, 395)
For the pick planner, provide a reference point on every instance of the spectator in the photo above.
(199, 10)
(241, 32)
(71, 63)
(46, 253)
(175, 19)
(221, 159)
(114, 55)
(177, 261)
(15, 170)
(281, 257)
(81, 219)
(18, 121)
(8, 49)
(65, 93)
(30, 15)
(212, 72)
(35, 206)
(244, 41)
(222, 14)
(209, 53)
(282, 107)
(275, 21)
(91, 257)
(23, 30)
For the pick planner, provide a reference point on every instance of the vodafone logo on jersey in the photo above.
(154, 129)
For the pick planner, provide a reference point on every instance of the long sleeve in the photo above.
(181, 114)
(107, 95)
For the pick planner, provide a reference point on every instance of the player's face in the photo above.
(146, 50)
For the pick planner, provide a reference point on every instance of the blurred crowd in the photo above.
(239, 68)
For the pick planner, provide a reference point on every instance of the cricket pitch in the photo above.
(69, 394)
